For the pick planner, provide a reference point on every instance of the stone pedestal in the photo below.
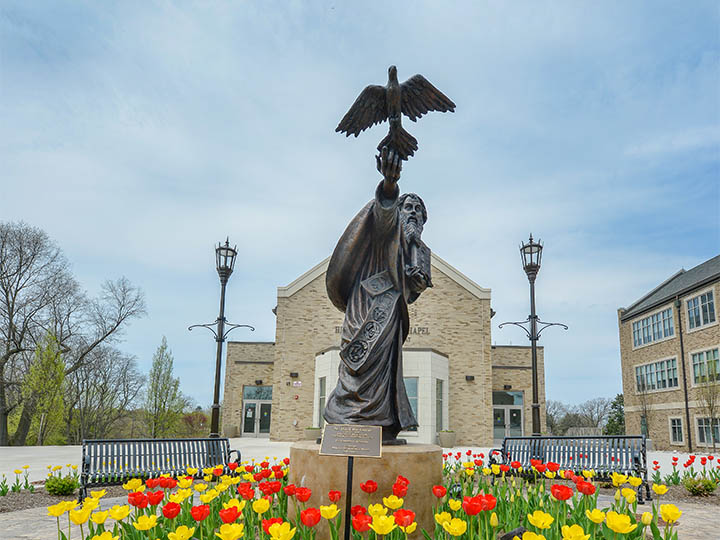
(421, 464)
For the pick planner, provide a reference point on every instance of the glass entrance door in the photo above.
(257, 411)
(507, 422)
(264, 420)
(249, 414)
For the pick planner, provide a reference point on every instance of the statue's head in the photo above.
(413, 215)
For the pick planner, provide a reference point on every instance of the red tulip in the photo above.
(402, 480)
(169, 483)
(279, 475)
(302, 494)
(310, 517)
(369, 486)
(249, 468)
(488, 502)
(404, 518)
(154, 497)
(246, 492)
(357, 509)
(200, 512)
(152, 483)
(265, 473)
(552, 467)
(504, 468)
(138, 499)
(267, 522)
(399, 490)
(472, 505)
(171, 510)
(232, 466)
(515, 464)
(334, 495)
(229, 515)
(264, 464)
(289, 490)
(217, 471)
(361, 522)
(540, 468)
(586, 488)
(439, 491)
(560, 492)
(276, 468)
(286, 461)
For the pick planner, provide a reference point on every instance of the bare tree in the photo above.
(101, 393)
(33, 275)
(709, 390)
(594, 412)
(555, 411)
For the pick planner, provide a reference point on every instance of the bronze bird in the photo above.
(375, 104)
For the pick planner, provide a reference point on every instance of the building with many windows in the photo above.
(669, 342)
(454, 377)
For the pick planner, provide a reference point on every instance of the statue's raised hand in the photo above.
(389, 164)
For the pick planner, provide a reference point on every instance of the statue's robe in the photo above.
(366, 280)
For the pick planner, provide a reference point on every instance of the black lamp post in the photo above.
(225, 262)
(531, 254)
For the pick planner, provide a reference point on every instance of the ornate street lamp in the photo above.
(531, 254)
(224, 262)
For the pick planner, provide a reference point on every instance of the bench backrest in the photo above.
(604, 454)
(135, 457)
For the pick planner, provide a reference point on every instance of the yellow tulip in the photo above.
(98, 494)
(629, 494)
(78, 517)
(588, 473)
(208, 477)
(487, 471)
(383, 525)
(529, 535)
(494, 520)
(105, 536)
(329, 512)
(70, 505)
(574, 532)
(145, 523)
(200, 487)
(441, 518)
(282, 531)
(469, 472)
(231, 531)
(182, 533)
(99, 517)
(468, 464)
(192, 471)
(455, 527)
(646, 518)
(240, 505)
(454, 504)
(91, 503)
(660, 489)
(634, 481)
(376, 510)
(208, 496)
(184, 483)
(208, 470)
(410, 528)
(392, 502)
(618, 495)
(670, 513)
(620, 523)
(119, 513)
(56, 510)
(260, 506)
(134, 485)
(540, 519)
(495, 468)
(550, 474)
(618, 479)
(26, 466)
(596, 515)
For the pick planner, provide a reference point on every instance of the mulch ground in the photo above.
(24, 500)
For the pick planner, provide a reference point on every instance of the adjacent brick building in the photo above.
(455, 378)
(669, 342)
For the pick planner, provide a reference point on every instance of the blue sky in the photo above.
(137, 134)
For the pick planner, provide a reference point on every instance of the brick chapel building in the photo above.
(455, 379)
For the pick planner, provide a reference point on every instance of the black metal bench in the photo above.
(623, 454)
(108, 462)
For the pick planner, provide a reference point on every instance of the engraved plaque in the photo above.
(355, 440)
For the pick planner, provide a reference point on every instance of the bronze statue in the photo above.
(413, 98)
(379, 266)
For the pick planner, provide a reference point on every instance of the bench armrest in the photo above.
(237, 459)
(492, 456)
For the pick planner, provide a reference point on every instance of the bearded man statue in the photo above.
(379, 266)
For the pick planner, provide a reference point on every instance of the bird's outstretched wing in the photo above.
(419, 97)
(370, 108)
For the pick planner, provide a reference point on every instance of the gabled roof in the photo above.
(450, 271)
(679, 284)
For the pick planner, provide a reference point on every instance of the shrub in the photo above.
(699, 487)
(58, 485)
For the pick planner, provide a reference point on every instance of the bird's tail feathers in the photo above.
(399, 141)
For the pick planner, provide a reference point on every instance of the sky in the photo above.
(139, 134)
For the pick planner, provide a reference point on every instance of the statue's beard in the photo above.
(412, 232)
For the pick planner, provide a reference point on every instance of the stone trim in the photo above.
(252, 362)
(664, 406)
(511, 367)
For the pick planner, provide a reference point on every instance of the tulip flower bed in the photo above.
(474, 502)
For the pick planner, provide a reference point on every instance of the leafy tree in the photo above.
(164, 403)
(45, 382)
(616, 417)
